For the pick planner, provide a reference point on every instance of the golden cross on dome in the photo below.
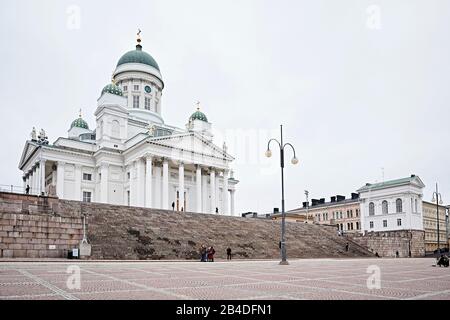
(80, 112)
(139, 36)
(198, 105)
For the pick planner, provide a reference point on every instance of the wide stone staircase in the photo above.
(117, 232)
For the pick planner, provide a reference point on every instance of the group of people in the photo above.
(207, 254)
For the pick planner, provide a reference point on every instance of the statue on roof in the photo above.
(42, 138)
(33, 134)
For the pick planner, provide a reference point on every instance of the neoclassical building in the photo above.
(131, 156)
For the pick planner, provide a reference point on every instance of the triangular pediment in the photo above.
(27, 152)
(192, 142)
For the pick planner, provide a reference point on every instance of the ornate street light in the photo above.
(438, 198)
(283, 213)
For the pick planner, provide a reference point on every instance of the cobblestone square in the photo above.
(247, 280)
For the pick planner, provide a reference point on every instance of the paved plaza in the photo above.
(249, 280)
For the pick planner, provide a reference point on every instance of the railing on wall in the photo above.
(9, 188)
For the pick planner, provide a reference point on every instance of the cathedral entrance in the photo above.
(179, 205)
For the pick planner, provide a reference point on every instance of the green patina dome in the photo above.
(79, 123)
(113, 89)
(198, 115)
(138, 56)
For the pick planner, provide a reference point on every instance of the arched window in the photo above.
(384, 207)
(399, 205)
(115, 129)
(371, 209)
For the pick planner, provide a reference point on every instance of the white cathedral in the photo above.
(132, 157)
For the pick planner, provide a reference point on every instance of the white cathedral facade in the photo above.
(132, 157)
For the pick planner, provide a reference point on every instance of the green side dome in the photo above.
(79, 123)
(198, 115)
(113, 89)
(138, 56)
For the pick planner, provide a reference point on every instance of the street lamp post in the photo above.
(294, 161)
(438, 197)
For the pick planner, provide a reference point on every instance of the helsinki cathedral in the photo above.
(131, 156)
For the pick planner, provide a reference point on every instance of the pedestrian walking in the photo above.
(27, 189)
(173, 206)
(228, 253)
(397, 255)
(347, 247)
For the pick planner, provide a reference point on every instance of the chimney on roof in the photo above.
(276, 210)
(305, 204)
(340, 198)
(413, 176)
(314, 202)
(322, 201)
(333, 199)
(355, 196)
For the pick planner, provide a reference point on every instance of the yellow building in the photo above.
(340, 212)
(430, 226)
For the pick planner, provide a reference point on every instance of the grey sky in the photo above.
(353, 99)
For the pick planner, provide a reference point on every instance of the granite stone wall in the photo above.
(387, 243)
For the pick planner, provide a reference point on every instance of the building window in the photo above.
(384, 207)
(351, 225)
(87, 196)
(128, 175)
(357, 213)
(147, 103)
(136, 102)
(357, 225)
(399, 205)
(371, 209)
(399, 222)
(87, 176)
(384, 223)
(136, 87)
(371, 224)
(125, 88)
(351, 213)
(340, 213)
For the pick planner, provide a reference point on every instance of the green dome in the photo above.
(79, 123)
(138, 56)
(198, 115)
(113, 89)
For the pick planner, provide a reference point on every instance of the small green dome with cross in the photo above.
(113, 89)
(79, 123)
(198, 115)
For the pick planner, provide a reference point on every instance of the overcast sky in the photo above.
(358, 85)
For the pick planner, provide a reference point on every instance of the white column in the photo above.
(30, 181)
(213, 190)
(199, 188)
(104, 183)
(78, 174)
(225, 192)
(140, 182)
(133, 184)
(59, 179)
(148, 181)
(165, 186)
(217, 194)
(181, 185)
(157, 199)
(37, 181)
(232, 202)
(205, 198)
(24, 179)
(42, 176)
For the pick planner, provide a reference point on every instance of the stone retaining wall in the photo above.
(387, 243)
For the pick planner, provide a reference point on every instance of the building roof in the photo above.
(138, 56)
(113, 89)
(390, 183)
(198, 115)
(325, 205)
(79, 123)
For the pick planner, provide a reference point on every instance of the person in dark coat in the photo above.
(173, 206)
(347, 247)
(228, 253)
(211, 253)
(27, 189)
(203, 253)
